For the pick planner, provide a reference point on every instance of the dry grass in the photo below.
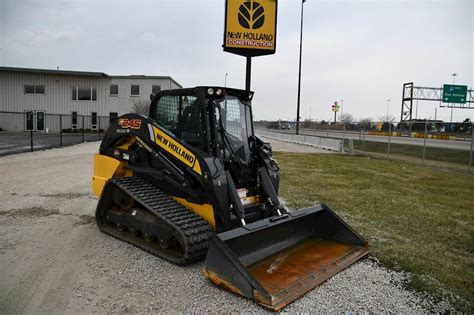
(415, 219)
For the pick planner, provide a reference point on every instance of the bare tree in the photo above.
(387, 122)
(365, 122)
(308, 123)
(386, 118)
(141, 107)
(347, 118)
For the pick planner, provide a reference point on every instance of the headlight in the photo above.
(219, 92)
(210, 91)
(250, 95)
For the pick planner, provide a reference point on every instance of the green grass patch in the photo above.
(415, 219)
(413, 151)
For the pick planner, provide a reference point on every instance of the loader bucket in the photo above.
(276, 260)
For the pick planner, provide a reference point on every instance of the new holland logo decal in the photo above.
(176, 149)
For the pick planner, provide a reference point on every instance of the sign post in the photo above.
(335, 109)
(250, 30)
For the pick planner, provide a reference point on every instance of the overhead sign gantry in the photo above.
(450, 96)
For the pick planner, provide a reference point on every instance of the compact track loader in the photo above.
(192, 179)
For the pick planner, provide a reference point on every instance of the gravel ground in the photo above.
(54, 260)
(283, 146)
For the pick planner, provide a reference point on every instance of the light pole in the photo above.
(342, 111)
(225, 80)
(388, 107)
(299, 73)
(452, 105)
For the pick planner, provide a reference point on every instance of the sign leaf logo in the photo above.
(251, 15)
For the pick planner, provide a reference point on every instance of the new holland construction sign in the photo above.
(250, 27)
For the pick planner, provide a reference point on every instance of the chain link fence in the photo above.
(424, 142)
(36, 130)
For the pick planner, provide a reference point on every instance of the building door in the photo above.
(94, 120)
(40, 121)
(29, 123)
(34, 121)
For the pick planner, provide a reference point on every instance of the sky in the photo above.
(360, 52)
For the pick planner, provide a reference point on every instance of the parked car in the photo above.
(284, 125)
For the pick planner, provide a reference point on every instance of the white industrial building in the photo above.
(39, 96)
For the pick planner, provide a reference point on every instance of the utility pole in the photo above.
(248, 71)
(388, 108)
(299, 72)
(225, 80)
(342, 111)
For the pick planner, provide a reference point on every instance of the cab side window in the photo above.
(182, 115)
(167, 111)
(190, 121)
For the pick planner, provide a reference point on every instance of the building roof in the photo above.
(50, 71)
(84, 73)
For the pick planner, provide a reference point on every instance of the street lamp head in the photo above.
(454, 74)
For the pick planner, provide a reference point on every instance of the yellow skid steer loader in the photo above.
(192, 181)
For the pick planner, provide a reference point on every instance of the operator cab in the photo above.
(216, 121)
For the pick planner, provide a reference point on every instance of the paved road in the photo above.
(433, 143)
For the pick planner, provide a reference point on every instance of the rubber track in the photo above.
(194, 230)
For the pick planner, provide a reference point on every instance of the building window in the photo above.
(113, 117)
(74, 118)
(135, 90)
(39, 89)
(155, 89)
(94, 118)
(34, 89)
(84, 93)
(29, 89)
(114, 89)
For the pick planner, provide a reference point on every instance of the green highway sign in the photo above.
(454, 93)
